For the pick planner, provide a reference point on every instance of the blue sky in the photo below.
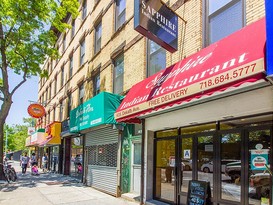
(27, 92)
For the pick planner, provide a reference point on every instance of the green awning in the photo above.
(99, 110)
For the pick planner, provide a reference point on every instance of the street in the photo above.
(49, 189)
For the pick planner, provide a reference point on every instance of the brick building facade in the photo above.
(102, 52)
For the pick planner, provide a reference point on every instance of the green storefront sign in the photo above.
(97, 111)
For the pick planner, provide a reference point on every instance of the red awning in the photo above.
(230, 62)
(44, 143)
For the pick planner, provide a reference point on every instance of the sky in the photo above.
(21, 99)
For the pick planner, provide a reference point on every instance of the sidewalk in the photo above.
(52, 189)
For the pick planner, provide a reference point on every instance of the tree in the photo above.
(16, 135)
(25, 43)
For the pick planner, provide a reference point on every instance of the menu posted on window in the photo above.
(199, 193)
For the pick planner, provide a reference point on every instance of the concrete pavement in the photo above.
(53, 189)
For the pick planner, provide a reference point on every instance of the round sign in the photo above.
(36, 110)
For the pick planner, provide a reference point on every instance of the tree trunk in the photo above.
(3, 115)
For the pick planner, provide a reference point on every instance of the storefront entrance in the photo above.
(232, 160)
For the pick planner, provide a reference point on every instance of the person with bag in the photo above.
(24, 163)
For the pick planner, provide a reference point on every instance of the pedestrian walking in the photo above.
(45, 162)
(24, 162)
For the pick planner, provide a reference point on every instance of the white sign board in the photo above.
(187, 154)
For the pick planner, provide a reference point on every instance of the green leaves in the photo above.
(26, 39)
(25, 42)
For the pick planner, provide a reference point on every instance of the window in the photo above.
(64, 43)
(81, 94)
(71, 65)
(55, 85)
(42, 98)
(98, 32)
(52, 89)
(61, 111)
(48, 68)
(69, 104)
(48, 118)
(137, 153)
(72, 28)
(51, 64)
(84, 9)
(120, 13)
(57, 59)
(82, 52)
(118, 74)
(156, 58)
(49, 91)
(46, 97)
(62, 76)
(53, 114)
(96, 84)
(224, 17)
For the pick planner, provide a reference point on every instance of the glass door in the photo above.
(165, 166)
(229, 166)
(196, 153)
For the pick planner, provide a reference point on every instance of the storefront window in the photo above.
(230, 154)
(198, 129)
(167, 133)
(259, 156)
(246, 122)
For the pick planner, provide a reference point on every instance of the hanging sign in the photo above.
(259, 158)
(36, 110)
(157, 22)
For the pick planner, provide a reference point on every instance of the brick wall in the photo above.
(125, 41)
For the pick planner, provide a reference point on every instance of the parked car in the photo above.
(208, 167)
(233, 170)
(187, 164)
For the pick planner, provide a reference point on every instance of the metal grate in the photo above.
(103, 155)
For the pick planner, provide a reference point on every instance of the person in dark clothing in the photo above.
(33, 159)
